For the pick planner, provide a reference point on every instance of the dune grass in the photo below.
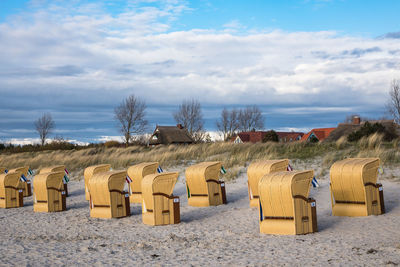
(235, 157)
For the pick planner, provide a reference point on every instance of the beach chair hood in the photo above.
(92, 170)
(159, 206)
(49, 192)
(284, 204)
(136, 173)
(55, 168)
(108, 199)
(354, 188)
(257, 170)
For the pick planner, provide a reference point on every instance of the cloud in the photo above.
(80, 60)
(391, 35)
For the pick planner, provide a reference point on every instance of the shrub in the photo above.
(270, 136)
(369, 129)
(112, 144)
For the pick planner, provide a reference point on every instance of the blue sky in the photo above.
(357, 17)
(306, 63)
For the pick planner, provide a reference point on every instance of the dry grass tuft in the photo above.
(235, 157)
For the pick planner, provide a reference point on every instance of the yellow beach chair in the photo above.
(159, 206)
(56, 168)
(27, 185)
(136, 173)
(354, 191)
(285, 208)
(49, 194)
(107, 198)
(11, 190)
(203, 185)
(90, 171)
(257, 170)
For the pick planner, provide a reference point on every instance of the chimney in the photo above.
(356, 120)
(180, 126)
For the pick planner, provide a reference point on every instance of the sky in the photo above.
(306, 64)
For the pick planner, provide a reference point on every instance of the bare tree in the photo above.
(130, 115)
(44, 126)
(228, 123)
(393, 105)
(250, 118)
(190, 116)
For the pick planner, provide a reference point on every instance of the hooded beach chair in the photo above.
(257, 170)
(27, 190)
(159, 206)
(92, 170)
(285, 208)
(49, 194)
(56, 168)
(354, 191)
(3, 170)
(107, 198)
(136, 173)
(11, 190)
(203, 185)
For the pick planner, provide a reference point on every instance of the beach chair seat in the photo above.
(56, 168)
(285, 208)
(203, 185)
(107, 198)
(160, 206)
(136, 173)
(257, 170)
(27, 190)
(354, 188)
(49, 194)
(90, 171)
(11, 190)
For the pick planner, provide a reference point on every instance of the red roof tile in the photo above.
(320, 133)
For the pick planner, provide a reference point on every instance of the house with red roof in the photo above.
(287, 137)
(319, 134)
(253, 137)
(258, 136)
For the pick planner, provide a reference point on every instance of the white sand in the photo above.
(222, 235)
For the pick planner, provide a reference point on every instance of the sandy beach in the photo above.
(223, 235)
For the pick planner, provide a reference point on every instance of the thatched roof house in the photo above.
(170, 135)
(344, 129)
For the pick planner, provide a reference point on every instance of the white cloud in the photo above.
(82, 54)
(36, 141)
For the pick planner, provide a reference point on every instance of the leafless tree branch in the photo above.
(250, 118)
(130, 115)
(393, 105)
(44, 126)
(190, 116)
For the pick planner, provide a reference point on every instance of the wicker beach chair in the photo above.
(56, 168)
(49, 194)
(285, 208)
(354, 191)
(159, 206)
(107, 198)
(257, 170)
(137, 173)
(11, 190)
(27, 191)
(90, 171)
(3, 170)
(203, 185)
